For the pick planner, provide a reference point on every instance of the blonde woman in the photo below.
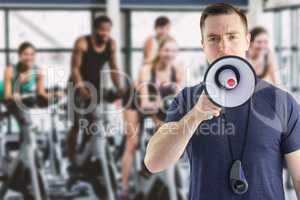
(158, 79)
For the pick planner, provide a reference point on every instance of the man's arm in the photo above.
(180, 75)
(142, 88)
(148, 50)
(76, 60)
(114, 70)
(169, 142)
(293, 163)
(8, 74)
(290, 144)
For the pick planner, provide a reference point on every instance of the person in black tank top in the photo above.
(157, 80)
(93, 62)
(89, 56)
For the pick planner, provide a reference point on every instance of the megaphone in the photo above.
(229, 81)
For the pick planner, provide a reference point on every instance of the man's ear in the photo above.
(248, 39)
(202, 43)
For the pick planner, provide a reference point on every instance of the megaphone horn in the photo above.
(229, 81)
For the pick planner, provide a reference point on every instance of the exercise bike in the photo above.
(94, 160)
(166, 185)
(23, 174)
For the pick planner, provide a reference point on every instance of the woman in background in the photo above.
(260, 55)
(20, 79)
(157, 80)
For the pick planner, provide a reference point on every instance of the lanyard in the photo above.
(237, 179)
(241, 156)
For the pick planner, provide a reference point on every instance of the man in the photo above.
(90, 54)
(272, 117)
(162, 30)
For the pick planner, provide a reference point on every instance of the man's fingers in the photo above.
(211, 108)
(215, 108)
(204, 105)
(216, 114)
(207, 102)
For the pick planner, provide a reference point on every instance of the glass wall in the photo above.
(54, 41)
(48, 29)
(53, 33)
(184, 28)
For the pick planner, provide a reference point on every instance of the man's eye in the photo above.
(232, 37)
(212, 39)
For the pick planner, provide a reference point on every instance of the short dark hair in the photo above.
(219, 9)
(161, 21)
(257, 31)
(23, 46)
(100, 20)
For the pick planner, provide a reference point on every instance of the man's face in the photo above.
(102, 32)
(224, 35)
(162, 31)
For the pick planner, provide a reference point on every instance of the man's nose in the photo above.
(225, 47)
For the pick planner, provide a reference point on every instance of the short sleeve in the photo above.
(291, 140)
(178, 107)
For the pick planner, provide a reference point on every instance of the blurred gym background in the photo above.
(54, 25)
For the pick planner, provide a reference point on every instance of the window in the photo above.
(2, 41)
(194, 64)
(286, 28)
(183, 25)
(136, 63)
(43, 30)
(2, 66)
(185, 28)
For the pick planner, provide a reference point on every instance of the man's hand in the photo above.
(84, 92)
(205, 107)
(17, 97)
(121, 92)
